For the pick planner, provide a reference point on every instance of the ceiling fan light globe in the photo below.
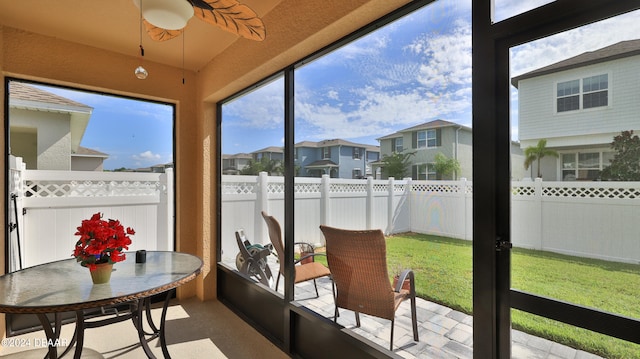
(141, 73)
(167, 14)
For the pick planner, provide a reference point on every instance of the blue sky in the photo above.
(412, 71)
(133, 133)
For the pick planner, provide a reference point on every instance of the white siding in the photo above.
(537, 106)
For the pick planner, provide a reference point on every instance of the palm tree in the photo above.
(536, 153)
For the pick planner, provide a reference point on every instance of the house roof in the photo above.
(23, 96)
(87, 152)
(616, 51)
(237, 155)
(24, 92)
(274, 149)
(336, 142)
(321, 164)
(424, 126)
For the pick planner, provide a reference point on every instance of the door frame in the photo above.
(493, 297)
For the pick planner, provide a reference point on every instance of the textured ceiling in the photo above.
(114, 25)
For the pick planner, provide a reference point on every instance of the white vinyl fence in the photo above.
(589, 219)
(50, 205)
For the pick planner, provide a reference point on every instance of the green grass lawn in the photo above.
(443, 270)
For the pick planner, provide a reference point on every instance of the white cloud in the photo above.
(146, 156)
(261, 109)
(386, 81)
(549, 50)
(508, 8)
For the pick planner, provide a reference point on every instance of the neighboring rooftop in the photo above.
(21, 93)
(26, 97)
(424, 126)
(336, 142)
(87, 152)
(616, 51)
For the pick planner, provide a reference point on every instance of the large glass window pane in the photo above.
(73, 153)
(505, 9)
(252, 138)
(576, 242)
(403, 90)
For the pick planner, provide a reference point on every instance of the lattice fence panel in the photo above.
(99, 188)
(523, 191)
(307, 188)
(399, 187)
(239, 188)
(275, 188)
(348, 187)
(438, 188)
(591, 192)
(380, 187)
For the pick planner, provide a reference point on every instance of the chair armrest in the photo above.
(407, 273)
(309, 255)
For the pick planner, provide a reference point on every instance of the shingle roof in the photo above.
(22, 91)
(273, 149)
(336, 142)
(83, 151)
(322, 163)
(424, 126)
(616, 51)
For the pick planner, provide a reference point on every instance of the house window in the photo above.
(427, 139)
(425, 171)
(431, 171)
(357, 173)
(584, 166)
(295, 154)
(422, 139)
(594, 93)
(568, 96)
(397, 145)
(356, 153)
(326, 153)
(421, 172)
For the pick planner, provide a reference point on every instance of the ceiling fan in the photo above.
(166, 19)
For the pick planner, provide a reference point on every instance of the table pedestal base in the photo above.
(138, 309)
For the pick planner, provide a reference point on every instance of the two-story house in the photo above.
(337, 158)
(46, 131)
(428, 139)
(578, 105)
(271, 153)
(234, 164)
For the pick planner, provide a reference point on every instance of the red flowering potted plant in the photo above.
(100, 245)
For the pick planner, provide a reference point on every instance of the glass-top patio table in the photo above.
(65, 286)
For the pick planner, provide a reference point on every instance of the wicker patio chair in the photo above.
(304, 270)
(358, 264)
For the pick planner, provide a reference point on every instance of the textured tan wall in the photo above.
(2, 178)
(41, 58)
(294, 29)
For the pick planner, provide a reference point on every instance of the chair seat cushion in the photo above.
(310, 271)
(398, 297)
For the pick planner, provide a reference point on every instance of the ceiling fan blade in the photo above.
(160, 34)
(200, 4)
(233, 17)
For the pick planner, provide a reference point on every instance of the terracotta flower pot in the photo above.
(306, 260)
(102, 273)
(406, 285)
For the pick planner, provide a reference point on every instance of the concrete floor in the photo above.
(197, 329)
(194, 329)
